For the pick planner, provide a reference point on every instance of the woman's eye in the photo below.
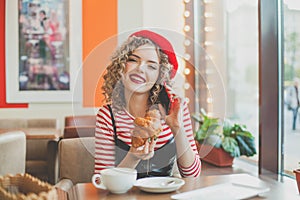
(131, 60)
(153, 67)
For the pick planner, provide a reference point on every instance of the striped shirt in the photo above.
(105, 145)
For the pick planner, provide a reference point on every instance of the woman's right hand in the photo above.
(145, 152)
(135, 155)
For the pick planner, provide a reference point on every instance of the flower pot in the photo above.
(297, 173)
(216, 156)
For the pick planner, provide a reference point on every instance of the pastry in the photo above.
(147, 127)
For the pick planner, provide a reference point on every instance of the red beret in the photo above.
(164, 45)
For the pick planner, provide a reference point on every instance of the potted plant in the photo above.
(297, 173)
(220, 142)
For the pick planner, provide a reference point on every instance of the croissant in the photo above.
(152, 127)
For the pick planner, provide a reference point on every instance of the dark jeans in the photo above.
(295, 113)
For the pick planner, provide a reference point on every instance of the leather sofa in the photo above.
(42, 136)
(12, 152)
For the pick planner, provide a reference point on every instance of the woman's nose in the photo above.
(141, 67)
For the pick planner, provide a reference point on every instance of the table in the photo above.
(287, 189)
(42, 133)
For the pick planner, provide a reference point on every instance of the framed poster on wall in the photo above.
(43, 49)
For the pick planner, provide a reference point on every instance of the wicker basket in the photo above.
(25, 186)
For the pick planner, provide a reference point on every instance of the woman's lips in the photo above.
(137, 79)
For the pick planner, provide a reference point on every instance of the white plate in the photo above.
(226, 191)
(159, 184)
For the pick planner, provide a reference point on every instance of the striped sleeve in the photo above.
(104, 141)
(195, 169)
(191, 171)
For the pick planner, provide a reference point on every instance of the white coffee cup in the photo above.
(117, 180)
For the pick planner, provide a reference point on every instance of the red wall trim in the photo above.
(3, 103)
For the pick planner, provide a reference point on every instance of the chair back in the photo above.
(79, 126)
(12, 152)
(80, 120)
(76, 159)
(75, 132)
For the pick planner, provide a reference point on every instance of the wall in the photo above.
(92, 34)
(101, 21)
(165, 17)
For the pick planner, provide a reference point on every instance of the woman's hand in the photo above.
(174, 118)
(135, 155)
(145, 152)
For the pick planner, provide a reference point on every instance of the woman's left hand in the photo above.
(174, 117)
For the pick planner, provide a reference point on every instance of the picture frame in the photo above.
(42, 66)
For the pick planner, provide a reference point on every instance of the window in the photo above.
(291, 14)
(228, 34)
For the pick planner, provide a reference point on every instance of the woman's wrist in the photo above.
(130, 160)
(133, 157)
(174, 126)
(176, 129)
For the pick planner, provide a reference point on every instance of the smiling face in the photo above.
(142, 69)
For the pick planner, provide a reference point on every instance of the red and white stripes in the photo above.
(105, 146)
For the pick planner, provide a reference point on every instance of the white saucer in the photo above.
(159, 184)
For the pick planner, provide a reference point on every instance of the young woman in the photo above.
(138, 79)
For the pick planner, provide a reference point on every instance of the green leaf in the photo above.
(213, 128)
(230, 145)
(234, 138)
(214, 140)
(245, 134)
(246, 145)
(200, 135)
(227, 128)
(197, 117)
(209, 122)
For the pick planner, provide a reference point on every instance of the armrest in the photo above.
(64, 184)
(52, 160)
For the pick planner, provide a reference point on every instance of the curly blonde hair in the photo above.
(113, 88)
